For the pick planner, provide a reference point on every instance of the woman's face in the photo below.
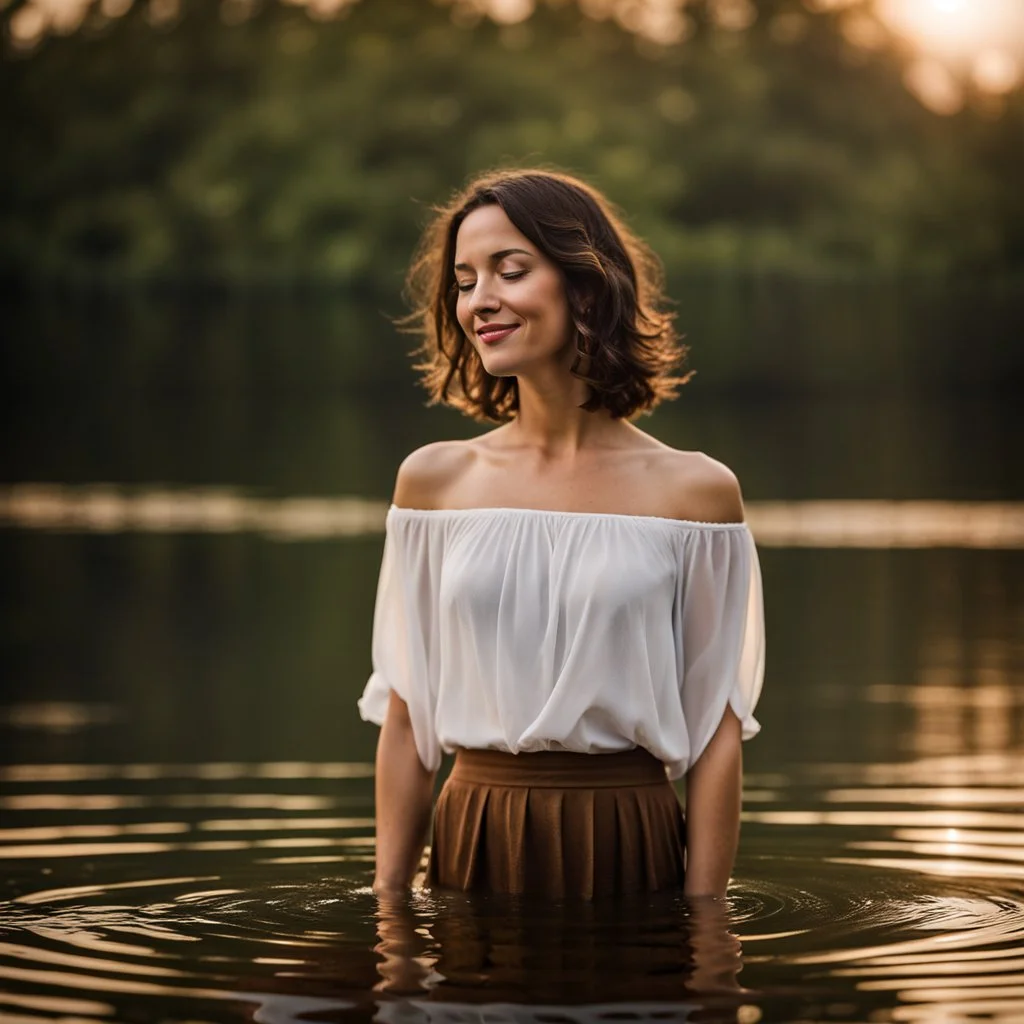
(512, 303)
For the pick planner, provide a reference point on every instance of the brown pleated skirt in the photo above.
(557, 824)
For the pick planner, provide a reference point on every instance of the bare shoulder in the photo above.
(702, 489)
(426, 474)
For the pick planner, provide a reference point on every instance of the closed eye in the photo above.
(468, 286)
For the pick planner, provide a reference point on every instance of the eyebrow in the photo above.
(496, 257)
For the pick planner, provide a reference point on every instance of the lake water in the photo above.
(189, 548)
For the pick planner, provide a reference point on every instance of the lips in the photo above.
(490, 334)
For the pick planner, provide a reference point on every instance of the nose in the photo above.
(482, 298)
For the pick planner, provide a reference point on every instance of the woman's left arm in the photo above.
(714, 788)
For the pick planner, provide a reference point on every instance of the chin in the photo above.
(497, 365)
(514, 361)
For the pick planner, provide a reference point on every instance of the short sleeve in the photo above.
(405, 648)
(720, 633)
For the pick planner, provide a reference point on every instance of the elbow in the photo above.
(397, 715)
(397, 743)
(724, 751)
(398, 724)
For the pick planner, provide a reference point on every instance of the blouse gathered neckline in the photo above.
(569, 514)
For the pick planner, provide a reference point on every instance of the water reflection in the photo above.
(814, 524)
(57, 716)
(465, 949)
(215, 770)
(104, 508)
(862, 890)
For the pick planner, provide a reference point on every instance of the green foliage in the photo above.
(285, 150)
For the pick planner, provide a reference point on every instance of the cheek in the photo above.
(558, 306)
(549, 302)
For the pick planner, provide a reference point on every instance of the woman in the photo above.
(568, 604)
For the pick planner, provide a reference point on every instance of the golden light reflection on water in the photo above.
(89, 963)
(54, 832)
(953, 817)
(216, 770)
(961, 945)
(69, 802)
(966, 697)
(992, 697)
(272, 824)
(916, 951)
(946, 850)
(981, 768)
(927, 989)
(120, 985)
(105, 508)
(57, 716)
(958, 835)
(185, 801)
(946, 867)
(74, 892)
(314, 859)
(987, 797)
(57, 1004)
(955, 960)
(944, 818)
(1000, 1011)
(28, 851)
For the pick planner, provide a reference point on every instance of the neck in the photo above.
(550, 419)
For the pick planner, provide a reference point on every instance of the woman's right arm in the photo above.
(404, 788)
(404, 792)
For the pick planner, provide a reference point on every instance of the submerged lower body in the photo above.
(558, 824)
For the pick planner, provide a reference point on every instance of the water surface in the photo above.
(186, 788)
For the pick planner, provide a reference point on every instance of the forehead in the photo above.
(487, 230)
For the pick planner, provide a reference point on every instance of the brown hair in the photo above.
(613, 285)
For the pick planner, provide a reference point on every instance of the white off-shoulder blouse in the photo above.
(524, 629)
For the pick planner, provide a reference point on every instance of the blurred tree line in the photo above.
(247, 143)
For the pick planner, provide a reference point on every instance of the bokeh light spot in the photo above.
(995, 71)
(677, 105)
(934, 86)
(510, 12)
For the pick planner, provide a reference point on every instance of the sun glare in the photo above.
(957, 28)
(959, 41)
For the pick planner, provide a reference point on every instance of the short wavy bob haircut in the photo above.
(627, 348)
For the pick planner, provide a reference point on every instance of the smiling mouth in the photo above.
(489, 334)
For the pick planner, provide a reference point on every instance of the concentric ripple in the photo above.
(219, 891)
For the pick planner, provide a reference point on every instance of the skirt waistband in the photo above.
(558, 769)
